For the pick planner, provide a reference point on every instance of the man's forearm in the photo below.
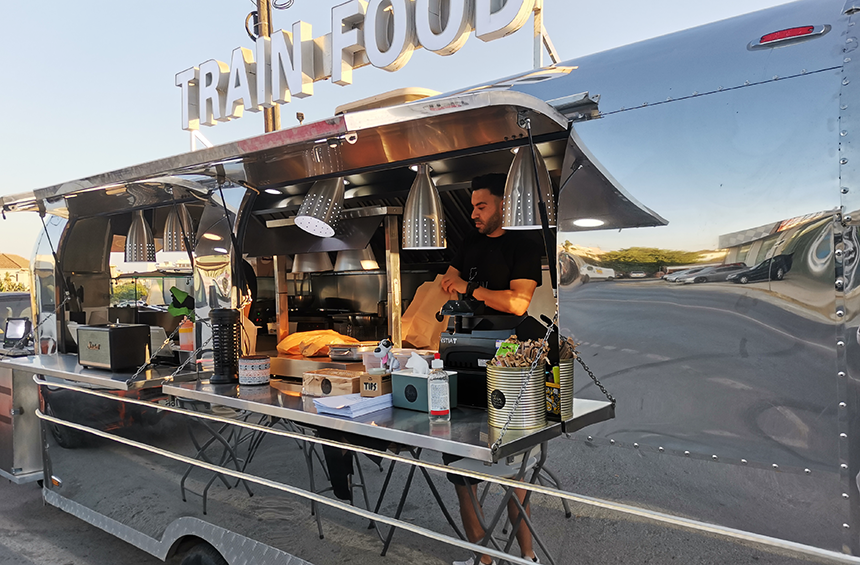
(508, 301)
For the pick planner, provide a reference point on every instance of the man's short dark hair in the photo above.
(494, 182)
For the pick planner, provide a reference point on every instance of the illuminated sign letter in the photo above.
(187, 81)
(347, 39)
(383, 52)
(264, 72)
(292, 63)
(212, 88)
(507, 19)
(242, 88)
(433, 34)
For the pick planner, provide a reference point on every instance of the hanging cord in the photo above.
(544, 345)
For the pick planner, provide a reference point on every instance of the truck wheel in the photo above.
(203, 554)
(744, 279)
(585, 279)
(67, 438)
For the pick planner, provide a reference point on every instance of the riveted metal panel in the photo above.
(846, 282)
(738, 377)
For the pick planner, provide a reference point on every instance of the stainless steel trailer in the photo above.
(733, 142)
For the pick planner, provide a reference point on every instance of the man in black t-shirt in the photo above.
(501, 269)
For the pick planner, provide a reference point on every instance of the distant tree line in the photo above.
(648, 259)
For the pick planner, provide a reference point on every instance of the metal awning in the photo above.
(590, 192)
(354, 142)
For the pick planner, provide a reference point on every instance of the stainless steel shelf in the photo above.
(65, 366)
(467, 435)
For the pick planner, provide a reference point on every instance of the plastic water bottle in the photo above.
(438, 401)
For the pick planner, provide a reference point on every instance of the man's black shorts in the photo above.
(455, 478)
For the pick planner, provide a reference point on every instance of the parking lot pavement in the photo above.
(33, 533)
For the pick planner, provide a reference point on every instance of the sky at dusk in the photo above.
(90, 85)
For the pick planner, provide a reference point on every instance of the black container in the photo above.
(115, 347)
(226, 344)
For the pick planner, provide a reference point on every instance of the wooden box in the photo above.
(375, 384)
(330, 382)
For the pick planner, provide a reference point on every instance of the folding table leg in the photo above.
(441, 503)
(554, 481)
(399, 509)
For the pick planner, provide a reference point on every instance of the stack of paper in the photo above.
(352, 405)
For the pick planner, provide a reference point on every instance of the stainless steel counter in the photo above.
(66, 367)
(467, 435)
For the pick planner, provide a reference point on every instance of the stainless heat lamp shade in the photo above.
(423, 217)
(139, 245)
(311, 263)
(520, 207)
(320, 210)
(356, 260)
(178, 220)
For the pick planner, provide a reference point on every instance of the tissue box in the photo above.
(410, 390)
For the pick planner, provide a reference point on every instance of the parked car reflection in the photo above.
(712, 274)
(672, 277)
(772, 269)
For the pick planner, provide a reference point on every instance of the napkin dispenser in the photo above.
(115, 347)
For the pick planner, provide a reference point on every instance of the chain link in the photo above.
(544, 344)
(609, 397)
(143, 367)
(194, 353)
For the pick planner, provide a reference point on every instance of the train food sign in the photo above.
(382, 33)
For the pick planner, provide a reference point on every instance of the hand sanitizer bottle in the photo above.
(438, 401)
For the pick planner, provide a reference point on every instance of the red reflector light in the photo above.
(786, 34)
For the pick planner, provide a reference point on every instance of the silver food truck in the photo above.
(737, 400)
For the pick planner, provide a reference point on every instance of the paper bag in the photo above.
(419, 325)
(249, 336)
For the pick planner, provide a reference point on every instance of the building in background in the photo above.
(14, 273)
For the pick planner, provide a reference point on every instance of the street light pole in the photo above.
(271, 116)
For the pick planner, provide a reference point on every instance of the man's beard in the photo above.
(493, 223)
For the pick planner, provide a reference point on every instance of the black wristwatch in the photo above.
(470, 288)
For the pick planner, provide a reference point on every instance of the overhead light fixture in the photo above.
(274, 191)
(356, 260)
(320, 210)
(311, 263)
(588, 223)
(520, 207)
(139, 244)
(423, 217)
(177, 229)
(221, 250)
(212, 236)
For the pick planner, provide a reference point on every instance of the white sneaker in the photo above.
(472, 561)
